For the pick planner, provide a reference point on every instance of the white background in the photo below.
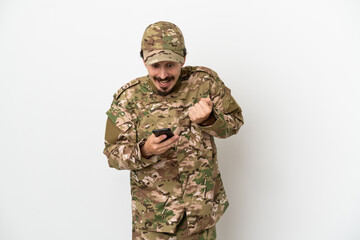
(292, 172)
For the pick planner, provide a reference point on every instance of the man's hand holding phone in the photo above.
(156, 145)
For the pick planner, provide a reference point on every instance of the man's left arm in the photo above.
(223, 115)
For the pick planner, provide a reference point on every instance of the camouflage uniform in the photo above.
(181, 233)
(186, 178)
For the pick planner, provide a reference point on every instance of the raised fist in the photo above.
(201, 110)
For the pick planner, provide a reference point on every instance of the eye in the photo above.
(155, 65)
(170, 65)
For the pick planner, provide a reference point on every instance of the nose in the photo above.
(163, 73)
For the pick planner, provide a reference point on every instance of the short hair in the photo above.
(142, 53)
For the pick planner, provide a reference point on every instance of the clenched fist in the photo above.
(201, 111)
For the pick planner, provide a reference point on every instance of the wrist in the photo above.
(143, 150)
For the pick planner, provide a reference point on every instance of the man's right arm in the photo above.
(122, 147)
(122, 150)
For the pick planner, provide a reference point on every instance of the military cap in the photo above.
(163, 41)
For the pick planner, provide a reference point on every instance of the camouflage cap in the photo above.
(163, 41)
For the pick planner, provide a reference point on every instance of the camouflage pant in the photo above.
(181, 233)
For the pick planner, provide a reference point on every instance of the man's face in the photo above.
(164, 75)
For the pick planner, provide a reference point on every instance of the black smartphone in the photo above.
(166, 131)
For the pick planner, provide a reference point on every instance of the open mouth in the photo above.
(164, 83)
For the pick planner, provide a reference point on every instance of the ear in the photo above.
(184, 61)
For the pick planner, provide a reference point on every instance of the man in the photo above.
(176, 188)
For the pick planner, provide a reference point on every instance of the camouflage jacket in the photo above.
(186, 177)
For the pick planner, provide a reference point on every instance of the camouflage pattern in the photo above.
(186, 178)
(162, 41)
(181, 233)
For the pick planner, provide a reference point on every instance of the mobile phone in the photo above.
(162, 131)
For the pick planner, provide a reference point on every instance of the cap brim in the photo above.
(155, 56)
